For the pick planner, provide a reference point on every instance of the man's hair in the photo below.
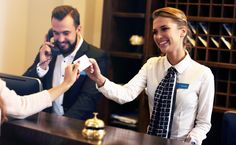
(61, 12)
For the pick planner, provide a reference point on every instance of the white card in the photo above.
(84, 62)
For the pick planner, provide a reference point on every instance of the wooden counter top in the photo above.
(48, 129)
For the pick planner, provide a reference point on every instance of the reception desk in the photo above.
(48, 129)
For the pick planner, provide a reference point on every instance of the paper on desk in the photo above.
(124, 119)
(83, 62)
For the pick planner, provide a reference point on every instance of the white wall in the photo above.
(25, 22)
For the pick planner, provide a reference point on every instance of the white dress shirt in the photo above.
(194, 97)
(58, 75)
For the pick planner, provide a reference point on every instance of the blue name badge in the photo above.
(181, 86)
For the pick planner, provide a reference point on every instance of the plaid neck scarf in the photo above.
(163, 108)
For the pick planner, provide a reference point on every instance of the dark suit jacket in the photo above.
(81, 99)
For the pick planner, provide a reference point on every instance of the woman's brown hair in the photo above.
(179, 17)
(3, 111)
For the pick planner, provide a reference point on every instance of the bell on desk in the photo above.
(94, 128)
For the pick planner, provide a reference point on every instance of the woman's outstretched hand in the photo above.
(71, 74)
(94, 73)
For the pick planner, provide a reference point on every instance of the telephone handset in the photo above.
(54, 50)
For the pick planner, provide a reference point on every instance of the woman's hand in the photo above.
(94, 73)
(71, 74)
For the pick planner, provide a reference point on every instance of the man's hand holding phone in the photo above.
(45, 55)
(47, 50)
(49, 38)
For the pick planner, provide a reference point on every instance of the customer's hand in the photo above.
(71, 74)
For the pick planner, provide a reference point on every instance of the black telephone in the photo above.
(54, 50)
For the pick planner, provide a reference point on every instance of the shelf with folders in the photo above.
(205, 8)
(225, 85)
(213, 26)
(213, 42)
(224, 29)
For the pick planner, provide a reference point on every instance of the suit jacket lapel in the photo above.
(82, 50)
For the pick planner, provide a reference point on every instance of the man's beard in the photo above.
(69, 50)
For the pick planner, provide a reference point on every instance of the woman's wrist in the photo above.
(101, 81)
(66, 85)
(191, 140)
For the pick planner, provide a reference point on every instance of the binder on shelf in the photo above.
(192, 27)
(192, 41)
(215, 42)
(204, 42)
(123, 125)
(124, 119)
(226, 42)
(203, 26)
(228, 28)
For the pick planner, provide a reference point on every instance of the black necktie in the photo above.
(163, 107)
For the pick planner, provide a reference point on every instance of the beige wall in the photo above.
(25, 22)
(13, 34)
(3, 12)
